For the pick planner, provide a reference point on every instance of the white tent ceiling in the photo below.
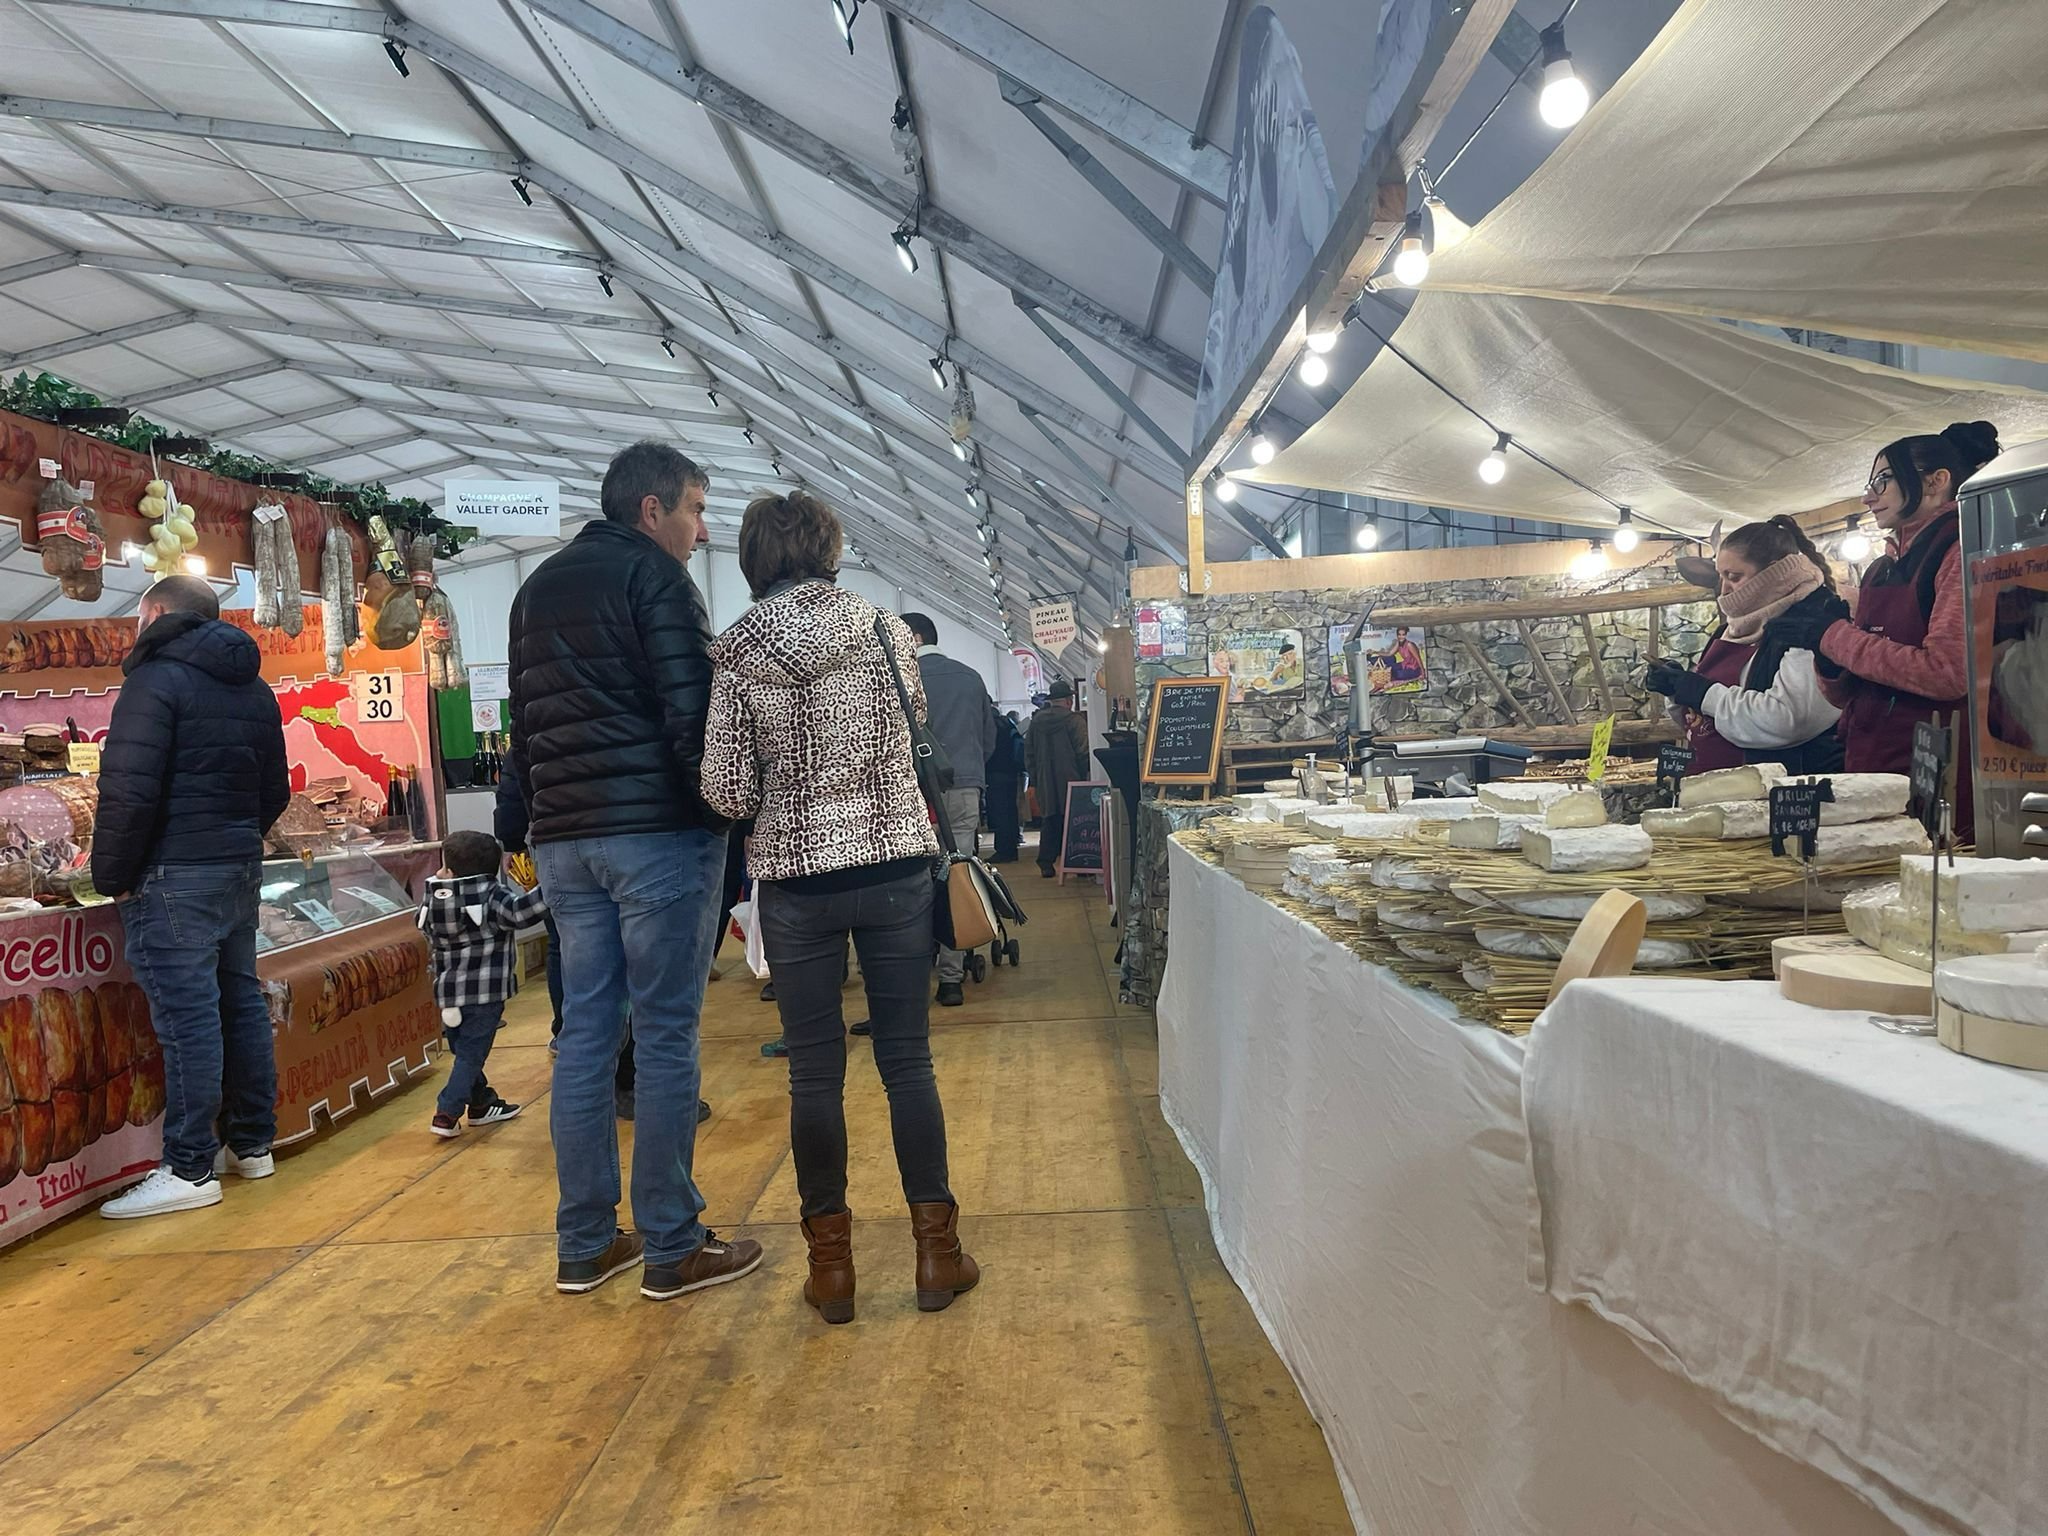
(239, 217)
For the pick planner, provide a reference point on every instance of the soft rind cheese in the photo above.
(1523, 799)
(1491, 833)
(1865, 842)
(1536, 944)
(1580, 808)
(1742, 819)
(1423, 951)
(1751, 781)
(1825, 893)
(1981, 895)
(2009, 987)
(1658, 906)
(1582, 850)
(1280, 808)
(1391, 872)
(1401, 914)
(1702, 821)
(1907, 943)
(1362, 824)
(1860, 796)
(1441, 810)
(1863, 913)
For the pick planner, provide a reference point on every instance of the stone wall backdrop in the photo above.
(1459, 700)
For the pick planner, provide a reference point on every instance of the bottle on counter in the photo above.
(395, 808)
(416, 806)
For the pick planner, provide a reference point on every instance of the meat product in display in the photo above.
(38, 1129)
(68, 1138)
(74, 546)
(338, 599)
(58, 1025)
(10, 1129)
(443, 643)
(22, 1047)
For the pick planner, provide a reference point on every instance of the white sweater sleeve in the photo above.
(1789, 712)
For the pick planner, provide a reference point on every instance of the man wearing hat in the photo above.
(1056, 746)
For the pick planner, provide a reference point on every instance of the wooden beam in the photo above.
(1541, 663)
(1477, 653)
(1593, 660)
(1540, 607)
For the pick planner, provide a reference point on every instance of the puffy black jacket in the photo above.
(611, 681)
(193, 771)
(508, 809)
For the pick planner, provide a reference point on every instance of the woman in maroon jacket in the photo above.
(1901, 659)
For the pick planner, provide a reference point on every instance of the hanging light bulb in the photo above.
(1368, 535)
(1856, 544)
(939, 371)
(960, 451)
(1101, 646)
(1565, 97)
(1226, 489)
(1263, 449)
(1589, 564)
(972, 504)
(1411, 261)
(1625, 537)
(1494, 467)
(1323, 342)
(904, 253)
(1314, 371)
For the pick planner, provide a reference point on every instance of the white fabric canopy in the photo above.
(1841, 1234)
(1877, 168)
(1687, 421)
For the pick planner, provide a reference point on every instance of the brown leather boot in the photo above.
(830, 1288)
(943, 1269)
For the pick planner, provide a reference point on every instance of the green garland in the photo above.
(42, 395)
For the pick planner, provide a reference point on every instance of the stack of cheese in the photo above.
(1995, 1007)
(1256, 852)
(1560, 828)
(1302, 864)
(1865, 822)
(1988, 907)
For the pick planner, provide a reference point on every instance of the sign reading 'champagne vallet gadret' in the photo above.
(521, 508)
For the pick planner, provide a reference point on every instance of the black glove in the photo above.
(1801, 634)
(1677, 684)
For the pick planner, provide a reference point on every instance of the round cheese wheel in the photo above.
(1999, 1040)
(1658, 907)
(1814, 944)
(1856, 983)
(1400, 914)
(2009, 987)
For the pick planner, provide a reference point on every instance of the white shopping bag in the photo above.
(747, 914)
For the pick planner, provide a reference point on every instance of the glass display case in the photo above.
(308, 898)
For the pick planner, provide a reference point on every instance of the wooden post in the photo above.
(1593, 658)
(1651, 651)
(1198, 575)
(1542, 665)
(1477, 652)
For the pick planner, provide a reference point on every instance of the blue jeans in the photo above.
(191, 932)
(636, 914)
(467, 1087)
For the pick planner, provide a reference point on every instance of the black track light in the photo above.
(668, 346)
(939, 371)
(604, 281)
(904, 253)
(520, 185)
(395, 52)
(747, 433)
(712, 395)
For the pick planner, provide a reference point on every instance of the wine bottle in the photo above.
(394, 799)
(416, 806)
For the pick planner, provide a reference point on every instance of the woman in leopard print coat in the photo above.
(807, 736)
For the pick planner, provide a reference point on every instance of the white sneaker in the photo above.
(261, 1166)
(161, 1193)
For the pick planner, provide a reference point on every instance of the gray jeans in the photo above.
(963, 814)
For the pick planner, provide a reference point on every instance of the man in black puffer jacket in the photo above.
(611, 682)
(191, 777)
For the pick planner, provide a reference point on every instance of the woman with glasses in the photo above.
(1901, 659)
(1754, 697)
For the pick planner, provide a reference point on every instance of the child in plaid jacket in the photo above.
(472, 915)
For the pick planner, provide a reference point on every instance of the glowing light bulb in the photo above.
(1368, 535)
(1494, 467)
(1322, 341)
(1314, 371)
(1564, 98)
(1856, 545)
(1411, 262)
(1589, 564)
(1263, 449)
(1226, 490)
(196, 564)
(1102, 645)
(1625, 538)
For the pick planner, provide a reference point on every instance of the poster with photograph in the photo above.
(1161, 632)
(2009, 601)
(1259, 663)
(1396, 660)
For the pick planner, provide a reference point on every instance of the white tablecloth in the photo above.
(1840, 1233)
(1364, 1160)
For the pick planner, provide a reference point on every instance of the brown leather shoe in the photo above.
(716, 1262)
(830, 1288)
(943, 1269)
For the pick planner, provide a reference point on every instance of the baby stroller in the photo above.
(1007, 912)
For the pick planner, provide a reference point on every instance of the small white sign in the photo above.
(492, 681)
(486, 714)
(522, 508)
(1052, 625)
(319, 915)
(370, 898)
(379, 696)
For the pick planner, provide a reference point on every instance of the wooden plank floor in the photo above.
(370, 1342)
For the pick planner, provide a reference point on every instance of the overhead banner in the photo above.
(522, 508)
(1282, 203)
(1052, 625)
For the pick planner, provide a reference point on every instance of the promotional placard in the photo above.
(521, 508)
(1053, 627)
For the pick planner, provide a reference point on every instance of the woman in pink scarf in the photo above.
(1754, 697)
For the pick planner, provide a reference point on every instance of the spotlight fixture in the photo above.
(1588, 564)
(1494, 467)
(604, 281)
(1856, 545)
(1368, 535)
(1101, 646)
(1263, 449)
(904, 253)
(521, 185)
(395, 52)
(845, 13)
(1411, 261)
(747, 433)
(1226, 489)
(960, 450)
(1625, 538)
(973, 491)
(938, 371)
(712, 396)
(1565, 98)
(1314, 372)
(668, 346)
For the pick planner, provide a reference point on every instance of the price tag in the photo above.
(1596, 760)
(1933, 750)
(1674, 760)
(82, 756)
(379, 696)
(491, 681)
(49, 469)
(1795, 815)
(86, 489)
(371, 899)
(486, 714)
(318, 915)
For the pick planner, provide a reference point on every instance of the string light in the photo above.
(1226, 489)
(1565, 98)
(1589, 564)
(1324, 342)
(1856, 544)
(1263, 449)
(604, 281)
(1368, 535)
(1411, 261)
(1314, 371)
(1625, 538)
(1494, 467)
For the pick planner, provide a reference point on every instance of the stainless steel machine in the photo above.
(2005, 596)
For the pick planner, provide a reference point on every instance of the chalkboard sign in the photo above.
(1795, 815)
(1184, 742)
(1673, 762)
(1081, 847)
(1933, 749)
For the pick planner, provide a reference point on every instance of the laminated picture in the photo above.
(1259, 663)
(1396, 660)
(2009, 603)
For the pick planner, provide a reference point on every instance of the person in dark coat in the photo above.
(1005, 768)
(1057, 743)
(610, 659)
(509, 820)
(191, 777)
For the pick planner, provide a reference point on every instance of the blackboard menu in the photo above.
(1185, 738)
(1795, 815)
(1081, 851)
(1933, 747)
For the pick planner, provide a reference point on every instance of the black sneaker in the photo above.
(713, 1264)
(768, 992)
(864, 1027)
(574, 1277)
(703, 1110)
(950, 994)
(493, 1112)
